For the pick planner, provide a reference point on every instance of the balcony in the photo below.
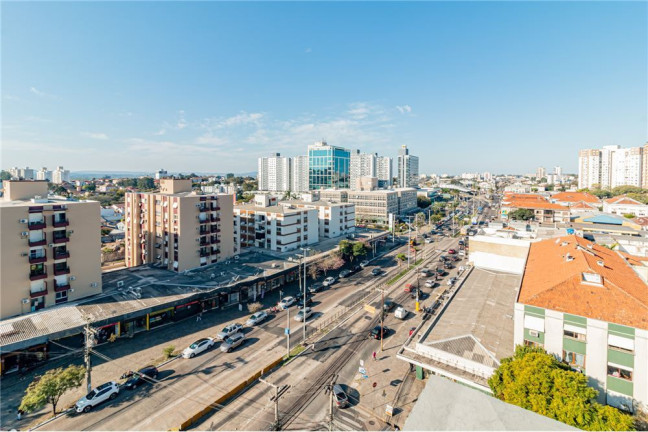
(61, 270)
(36, 225)
(59, 222)
(37, 274)
(215, 219)
(215, 208)
(61, 239)
(36, 209)
(40, 258)
(203, 209)
(40, 293)
(61, 286)
(42, 242)
(215, 229)
(204, 253)
(61, 254)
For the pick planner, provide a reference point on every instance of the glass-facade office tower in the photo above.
(328, 166)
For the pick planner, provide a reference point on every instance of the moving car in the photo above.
(232, 342)
(364, 263)
(329, 281)
(378, 332)
(256, 318)
(344, 273)
(429, 240)
(104, 392)
(388, 305)
(316, 287)
(309, 301)
(341, 398)
(452, 251)
(147, 374)
(300, 315)
(447, 265)
(197, 347)
(452, 281)
(409, 287)
(286, 302)
(401, 313)
(426, 272)
(430, 283)
(229, 330)
(376, 271)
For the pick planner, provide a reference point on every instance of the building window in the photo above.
(620, 343)
(532, 344)
(61, 297)
(619, 372)
(575, 360)
(574, 335)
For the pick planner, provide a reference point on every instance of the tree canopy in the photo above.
(423, 201)
(50, 387)
(349, 250)
(5, 175)
(522, 214)
(535, 380)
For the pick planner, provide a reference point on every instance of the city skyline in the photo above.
(228, 83)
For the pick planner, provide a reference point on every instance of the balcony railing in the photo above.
(215, 229)
(40, 293)
(203, 209)
(62, 239)
(58, 271)
(36, 209)
(35, 259)
(61, 286)
(215, 219)
(36, 275)
(61, 255)
(58, 223)
(36, 225)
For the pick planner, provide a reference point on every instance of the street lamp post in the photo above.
(304, 250)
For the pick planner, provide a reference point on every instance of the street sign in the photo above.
(389, 410)
(362, 370)
(287, 331)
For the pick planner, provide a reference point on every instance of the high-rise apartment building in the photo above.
(177, 228)
(384, 171)
(274, 173)
(22, 173)
(362, 165)
(540, 173)
(299, 174)
(60, 175)
(611, 166)
(50, 248)
(408, 168)
(44, 174)
(160, 174)
(328, 166)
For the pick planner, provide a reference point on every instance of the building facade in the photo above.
(299, 174)
(384, 171)
(622, 205)
(591, 315)
(407, 200)
(177, 228)
(44, 174)
(51, 249)
(328, 166)
(361, 165)
(612, 166)
(160, 174)
(334, 219)
(374, 206)
(60, 175)
(408, 168)
(274, 173)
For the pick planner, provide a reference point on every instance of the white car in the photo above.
(364, 263)
(429, 240)
(106, 391)
(256, 318)
(430, 283)
(229, 330)
(286, 302)
(300, 315)
(329, 281)
(451, 281)
(197, 347)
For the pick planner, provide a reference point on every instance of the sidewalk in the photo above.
(143, 349)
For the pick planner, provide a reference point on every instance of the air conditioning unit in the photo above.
(23, 221)
(72, 278)
(51, 245)
(24, 233)
(70, 232)
(534, 333)
(120, 284)
(94, 285)
(24, 254)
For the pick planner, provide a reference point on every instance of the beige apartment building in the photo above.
(50, 248)
(335, 219)
(374, 206)
(177, 228)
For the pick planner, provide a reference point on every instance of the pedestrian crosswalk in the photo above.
(349, 419)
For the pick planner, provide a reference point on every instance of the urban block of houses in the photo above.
(544, 211)
(588, 305)
(596, 222)
(622, 205)
(577, 200)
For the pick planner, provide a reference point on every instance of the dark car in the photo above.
(378, 332)
(316, 287)
(388, 305)
(461, 243)
(356, 268)
(147, 374)
(443, 258)
(448, 265)
(309, 301)
(456, 258)
(376, 272)
(440, 271)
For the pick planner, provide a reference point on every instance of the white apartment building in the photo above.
(274, 227)
(622, 205)
(22, 173)
(361, 165)
(612, 166)
(384, 171)
(540, 173)
(408, 168)
(334, 195)
(299, 174)
(274, 173)
(60, 175)
(43, 174)
(589, 168)
(160, 174)
(335, 219)
(375, 206)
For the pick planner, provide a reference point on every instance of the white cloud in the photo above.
(404, 109)
(308, 50)
(211, 140)
(95, 135)
(243, 118)
(39, 93)
(182, 123)
(160, 132)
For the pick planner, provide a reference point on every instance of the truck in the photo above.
(474, 220)
(401, 313)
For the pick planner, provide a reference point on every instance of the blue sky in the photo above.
(207, 86)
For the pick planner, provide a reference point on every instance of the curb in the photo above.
(51, 419)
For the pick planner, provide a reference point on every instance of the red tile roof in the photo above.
(552, 282)
(530, 204)
(622, 199)
(570, 197)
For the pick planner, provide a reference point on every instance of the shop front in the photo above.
(107, 332)
(26, 359)
(158, 318)
(186, 310)
(134, 325)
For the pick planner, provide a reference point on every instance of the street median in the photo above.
(217, 404)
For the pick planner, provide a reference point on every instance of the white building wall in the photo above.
(554, 332)
(596, 356)
(299, 174)
(640, 378)
(518, 324)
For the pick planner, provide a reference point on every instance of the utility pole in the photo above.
(304, 250)
(409, 240)
(287, 332)
(279, 391)
(86, 355)
(330, 389)
(382, 316)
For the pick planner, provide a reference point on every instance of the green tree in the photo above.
(360, 249)
(229, 175)
(345, 248)
(629, 215)
(50, 387)
(522, 214)
(145, 183)
(535, 380)
(5, 175)
(436, 218)
(90, 187)
(423, 201)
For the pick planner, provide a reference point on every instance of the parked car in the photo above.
(440, 271)
(256, 318)
(364, 263)
(461, 242)
(378, 332)
(143, 375)
(329, 281)
(104, 392)
(229, 330)
(451, 281)
(447, 265)
(462, 253)
(376, 272)
(401, 313)
(316, 287)
(286, 302)
(429, 240)
(425, 272)
(430, 283)
(356, 268)
(409, 287)
(341, 398)
(300, 315)
(309, 301)
(452, 251)
(344, 273)
(197, 347)
(443, 258)
(388, 305)
(232, 342)
(456, 258)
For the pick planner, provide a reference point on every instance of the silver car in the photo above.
(232, 342)
(229, 330)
